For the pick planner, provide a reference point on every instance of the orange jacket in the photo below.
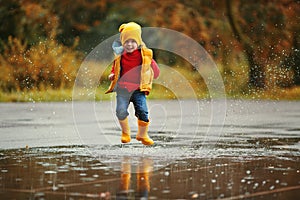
(147, 73)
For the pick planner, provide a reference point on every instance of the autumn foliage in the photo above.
(254, 43)
(45, 65)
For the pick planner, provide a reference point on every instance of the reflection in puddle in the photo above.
(73, 173)
(142, 175)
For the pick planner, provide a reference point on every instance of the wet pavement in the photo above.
(72, 151)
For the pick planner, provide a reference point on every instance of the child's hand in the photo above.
(111, 77)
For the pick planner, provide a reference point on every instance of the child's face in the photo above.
(130, 45)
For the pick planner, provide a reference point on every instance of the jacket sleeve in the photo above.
(155, 68)
(113, 68)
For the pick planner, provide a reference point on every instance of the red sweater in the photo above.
(131, 70)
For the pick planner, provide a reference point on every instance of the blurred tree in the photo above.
(115, 16)
(296, 60)
(256, 70)
(10, 15)
(27, 20)
(175, 15)
(31, 57)
(262, 29)
(78, 18)
(291, 10)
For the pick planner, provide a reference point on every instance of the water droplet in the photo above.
(166, 191)
(50, 172)
(92, 195)
(54, 188)
(284, 184)
(195, 196)
(39, 194)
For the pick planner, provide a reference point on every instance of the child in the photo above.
(131, 77)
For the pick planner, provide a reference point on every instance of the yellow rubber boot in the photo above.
(142, 134)
(125, 138)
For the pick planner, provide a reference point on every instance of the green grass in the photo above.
(37, 96)
(173, 83)
(158, 92)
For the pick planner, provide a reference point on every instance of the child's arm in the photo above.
(111, 77)
(155, 68)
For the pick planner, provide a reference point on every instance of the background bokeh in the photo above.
(255, 44)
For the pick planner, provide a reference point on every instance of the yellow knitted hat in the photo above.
(131, 30)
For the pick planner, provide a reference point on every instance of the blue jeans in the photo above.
(138, 99)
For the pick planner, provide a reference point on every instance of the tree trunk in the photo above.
(296, 58)
(256, 71)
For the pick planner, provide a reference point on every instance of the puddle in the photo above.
(257, 156)
(74, 173)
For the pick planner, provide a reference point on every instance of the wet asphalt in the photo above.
(204, 149)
